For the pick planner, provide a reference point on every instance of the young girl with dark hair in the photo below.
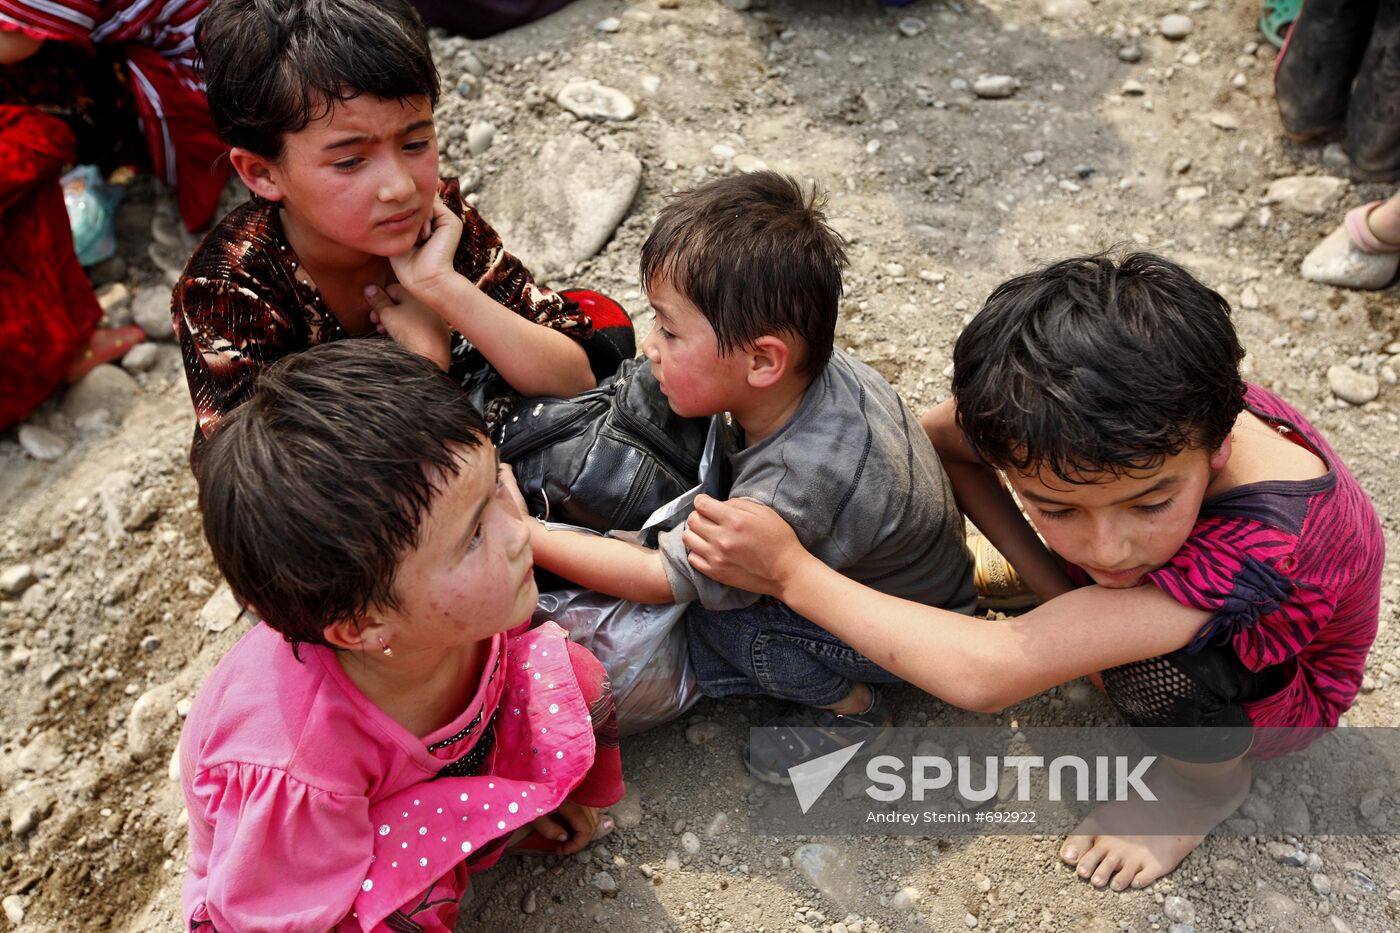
(328, 105)
(1224, 566)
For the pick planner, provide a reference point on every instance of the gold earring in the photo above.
(388, 652)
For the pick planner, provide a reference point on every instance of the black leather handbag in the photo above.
(605, 459)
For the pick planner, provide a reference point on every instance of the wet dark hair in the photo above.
(314, 488)
(756, 256)
(1093, 365)
(273, 66)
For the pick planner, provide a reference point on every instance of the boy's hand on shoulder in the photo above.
(412, 324)
(743, 544)
(427, 268)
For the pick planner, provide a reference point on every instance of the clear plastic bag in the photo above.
(92, 210)
(642, 647)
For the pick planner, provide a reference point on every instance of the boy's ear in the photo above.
(1221, 455)
(769, 359)
(258, 173)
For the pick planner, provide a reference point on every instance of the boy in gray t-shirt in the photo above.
(745, 277)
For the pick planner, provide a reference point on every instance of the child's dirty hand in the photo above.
(428, 267)
(573, 827)
(742, 544)
(411, 323)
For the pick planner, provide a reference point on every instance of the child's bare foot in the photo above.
(1132, 843)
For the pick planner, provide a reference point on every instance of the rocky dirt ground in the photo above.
(961, 142)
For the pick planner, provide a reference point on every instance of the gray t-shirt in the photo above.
(855, 476)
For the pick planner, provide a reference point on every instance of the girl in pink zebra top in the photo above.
(1234, 562)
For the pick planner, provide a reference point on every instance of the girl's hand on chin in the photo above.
(428, 267)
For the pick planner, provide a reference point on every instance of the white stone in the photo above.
(828, 870)
(744, 162)
(1175, 26)
(589, 100)
(13, 905)
(1179, 909)
(17, 578)
(1351, 386)
(480, 135)
(911, 26)
(1224, 121)
(690, 843)
(995, 87)
(589, 190)
(906, 898)
(1337, 261)
(151, 312)
(41, 443)
(141, 358)
(152, 717)
(1306, 194)
(611, 24)
(104, 387)
(220, 611)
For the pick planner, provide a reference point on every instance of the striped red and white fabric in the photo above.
(157, 38)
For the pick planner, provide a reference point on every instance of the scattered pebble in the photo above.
(1351, 386)
(480, 135)
(911, 26)
(17, 578)
(1034, 157)
(627, 812)
(703, 732)
(151, 718)
(141, 358)
(605, 883)
(13, 905)
(1175, 26)
(611, 24)
(220, 611)
(690, 843)
(1130, 53)
(906, 898)
(1286, 854)
(1321, 884)
(1133, 88)
(827, 869)
(1228, 220)
(150, 311)
(105, 387)
(1337, 261)
(530, 902)
(1224, 121)
(1179, 909)
(995, 87)
(41, 443)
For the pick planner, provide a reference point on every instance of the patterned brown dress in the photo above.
(241, 306)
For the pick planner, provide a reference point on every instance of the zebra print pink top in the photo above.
(1292, 572)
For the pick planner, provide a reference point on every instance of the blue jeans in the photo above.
(767, 648)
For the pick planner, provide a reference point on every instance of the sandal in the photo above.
(1276, 17)
(106, 345)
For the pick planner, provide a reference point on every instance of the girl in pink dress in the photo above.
(393, 725)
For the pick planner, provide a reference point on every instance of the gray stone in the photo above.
(906, 898)
(13, 905)
(104, 387)
(1181, 928)
(1133, 88)
(605, 883)
(480, 135)
(1272, 910)
(41, 443)
(123, 506)
(1179, 909)
(611, 24)
(1175, 26)
(1321, 884)
(1285, 853)
(589, 100)
(1337, 261)
(704, 732)
(530, 902)
(911, 26)
(1228, 220)
(1351, 386)
(43, 755)
(152, 717)
(589, 190)
(17, 578)
(1034, 157)
(1306, 194)
(1334, 156)
(141, 358)
(221, 611)
(1130, 53)
(1224, 121)
(1293, 816)
(627, 812)
(995, 87)
(1064, 9)
(150, 311)
(828, 870)
(150, 644)
(24, 818)
(717, 825)
(690, 843)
